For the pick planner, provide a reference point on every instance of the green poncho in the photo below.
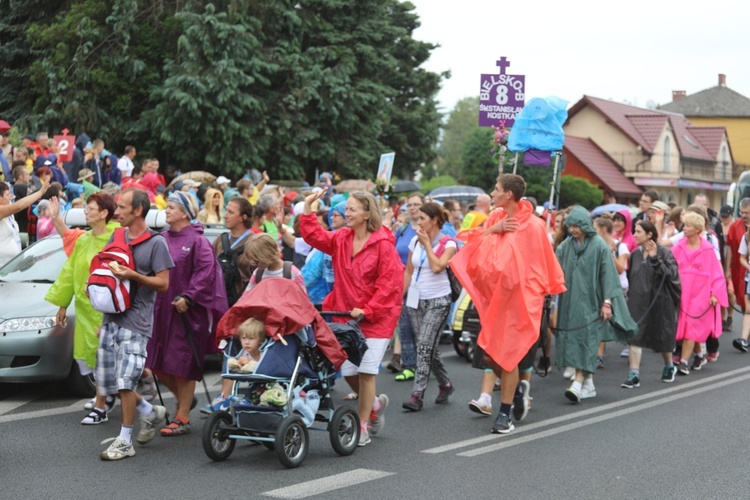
(590, 277)
(72, 283)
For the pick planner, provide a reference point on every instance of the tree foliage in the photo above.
(283, 85)
(461, 123)
(579, 191)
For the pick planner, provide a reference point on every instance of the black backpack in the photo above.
(228, 262)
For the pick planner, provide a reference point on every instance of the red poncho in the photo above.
(735, 234)
(507, 276)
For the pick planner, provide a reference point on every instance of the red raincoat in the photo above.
(372, 280)
(284, 308)
(507, 276)
(735, 234)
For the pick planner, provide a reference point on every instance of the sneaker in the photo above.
(712, 357)
(95, 417)
(415, 403)
(625, 353)
(521, 402)
(148, 391)
(698, 363)
(442, 397)
(588, 392)
(364, 436)
(118, 450)
(503, 424)
(573, 394)
(377, 418)
(477, 406)
(740, 344)
(683, 369)
(220, 403)
(632, 381)
(569, 373)
(148, 424)
(599, 362)
(667, 375)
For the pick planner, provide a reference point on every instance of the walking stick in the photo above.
(161, 400)
(189, 334)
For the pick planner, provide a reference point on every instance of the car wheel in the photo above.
(82, 386)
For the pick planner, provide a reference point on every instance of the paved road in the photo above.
(683, 440)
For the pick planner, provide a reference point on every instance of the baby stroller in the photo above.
(288, 394)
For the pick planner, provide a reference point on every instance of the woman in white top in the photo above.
(428, 300)
(10, 240)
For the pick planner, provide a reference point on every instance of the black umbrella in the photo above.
(467, 194)
(405, 186)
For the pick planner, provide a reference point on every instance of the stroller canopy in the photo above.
(284, 309)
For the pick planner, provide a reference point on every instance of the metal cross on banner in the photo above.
(501, 97)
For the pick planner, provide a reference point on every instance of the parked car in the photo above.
(32, 347)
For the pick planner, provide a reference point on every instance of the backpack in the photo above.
(107, 293)
(286, 273)
(456, 287)
(228, 263)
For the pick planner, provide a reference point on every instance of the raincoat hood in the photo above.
(82, 140)
(191, 231)
(627, 234)
(580, 217)
(340, 208)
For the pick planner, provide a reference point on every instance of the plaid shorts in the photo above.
(120, 359)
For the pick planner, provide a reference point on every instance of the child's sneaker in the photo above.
(220, 403)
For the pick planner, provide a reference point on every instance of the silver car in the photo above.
(32, 347)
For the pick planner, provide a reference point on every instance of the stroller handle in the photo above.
(341, 313)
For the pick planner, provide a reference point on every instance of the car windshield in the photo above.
(39, 263)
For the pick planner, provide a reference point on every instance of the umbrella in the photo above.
(405, 186)
(196, 175)
(611, 207)
(354, 185)
(4, 126)
(467, 194)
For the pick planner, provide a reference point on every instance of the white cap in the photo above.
(222, 180)
(48, 162)
(299, 208)
(191, 183)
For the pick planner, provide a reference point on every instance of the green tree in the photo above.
(579, 191)
(462, 121)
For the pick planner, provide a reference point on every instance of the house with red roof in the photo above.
(626, 150)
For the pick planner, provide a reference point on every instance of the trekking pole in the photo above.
(161, 399)
(189, 335)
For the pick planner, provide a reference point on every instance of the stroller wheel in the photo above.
(292, 441)
(344, 431)
(216, 442)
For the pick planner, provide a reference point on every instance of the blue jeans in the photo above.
(408, 346)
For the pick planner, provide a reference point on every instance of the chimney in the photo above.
(722, 80)
(678, 94)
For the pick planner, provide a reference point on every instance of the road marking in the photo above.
(601, 418)
(10, 404)
(76, 406)
(329, 483)
(584, 413)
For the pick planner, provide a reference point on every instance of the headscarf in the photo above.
(185, 203)
(340, 208)
(627, 234)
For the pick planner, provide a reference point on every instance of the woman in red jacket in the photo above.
(368, 277)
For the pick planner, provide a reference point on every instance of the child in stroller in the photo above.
(289, 391)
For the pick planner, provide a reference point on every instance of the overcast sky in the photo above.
(635, 53)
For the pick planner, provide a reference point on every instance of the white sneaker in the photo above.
(364, 436)
(573, 393)
(625, 353)
(588, 391)
(118, 450)
(569, 373)
(148, 425)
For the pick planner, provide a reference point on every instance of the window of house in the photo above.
(724, 162)
(667, 154)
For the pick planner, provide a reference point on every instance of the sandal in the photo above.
(95, 417)
(351, 396)
(407, 374)
(176, 428)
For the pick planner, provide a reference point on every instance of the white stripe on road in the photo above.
(329, 483)
(585, 413)
(601, 418)
(78, 405)
(10, 404)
